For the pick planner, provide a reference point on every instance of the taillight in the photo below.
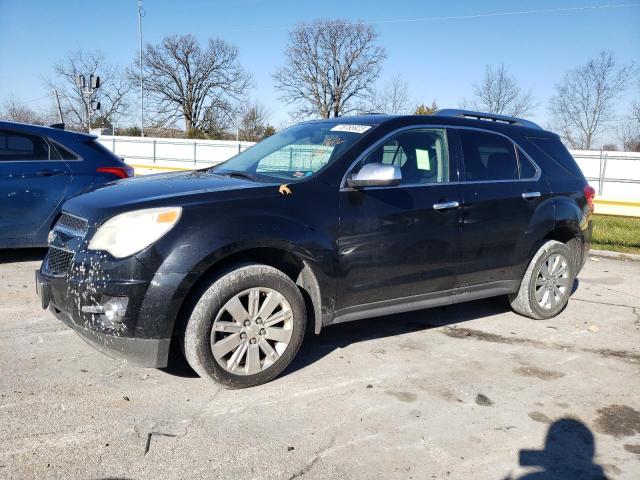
(589, 195)
(120, 172)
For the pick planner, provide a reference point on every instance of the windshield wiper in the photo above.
(238, 173)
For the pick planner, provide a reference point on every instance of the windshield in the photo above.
(295, 153)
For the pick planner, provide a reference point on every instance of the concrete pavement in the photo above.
(459, 392)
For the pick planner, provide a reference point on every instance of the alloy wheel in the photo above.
(251, 331)
(553, 281)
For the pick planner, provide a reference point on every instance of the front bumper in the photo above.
(117, 343)
(143, 352)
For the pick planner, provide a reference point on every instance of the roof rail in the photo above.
(452, 112)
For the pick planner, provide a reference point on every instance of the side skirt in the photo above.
(427, 300)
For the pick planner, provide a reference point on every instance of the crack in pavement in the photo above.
(304, 470)
(603, 303)
(200, 411)
(621, 292)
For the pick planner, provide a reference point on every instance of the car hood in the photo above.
(176, 188)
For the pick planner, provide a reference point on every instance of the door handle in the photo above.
(529, 195)
(445, 205)
(49, 173)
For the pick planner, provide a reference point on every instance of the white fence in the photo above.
(173, 151)
(612, 174)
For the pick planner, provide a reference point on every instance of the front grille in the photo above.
(70, 222)
(57, 261)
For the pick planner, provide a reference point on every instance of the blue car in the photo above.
(42, 167)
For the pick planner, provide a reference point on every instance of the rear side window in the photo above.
(527, 170)
(21, 147)
(488, 156)
(556, 151)
(63, 152)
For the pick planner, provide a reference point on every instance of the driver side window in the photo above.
(421, 154)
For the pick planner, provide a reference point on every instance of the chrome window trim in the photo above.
(535, 178)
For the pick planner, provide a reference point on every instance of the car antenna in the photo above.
(61, 124)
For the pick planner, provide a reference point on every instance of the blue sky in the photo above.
(440, 56)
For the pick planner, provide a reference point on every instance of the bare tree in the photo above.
(630, 137)
(629, 132)
(392, 99)
(15, 111)
(112, 93)
(254, 123)
(499, 92)
(584, 98)
(185, 81)
(218, 123)
(330, 65)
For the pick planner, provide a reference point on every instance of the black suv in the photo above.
(325, 222)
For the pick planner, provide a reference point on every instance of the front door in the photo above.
(401, 241)
(33, 182)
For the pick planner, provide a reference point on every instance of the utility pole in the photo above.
(60, 118)
(88, 90)
(140, 14)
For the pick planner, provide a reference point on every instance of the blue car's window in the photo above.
(63, 152)
(20, 147)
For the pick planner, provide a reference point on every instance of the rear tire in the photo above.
(547, 283)
(246, 328)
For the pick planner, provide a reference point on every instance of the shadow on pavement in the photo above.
(314, 347)
(338, 336)
(22, 255)
(568, 453)
(178, 365)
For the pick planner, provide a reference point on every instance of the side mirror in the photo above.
(376, 175)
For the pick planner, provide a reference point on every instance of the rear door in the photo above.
(33, 182)
(393, 243)
(501, 189)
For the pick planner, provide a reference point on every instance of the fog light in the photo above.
(111, 313)
(115, 309)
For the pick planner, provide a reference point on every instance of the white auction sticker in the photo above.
(350, 127)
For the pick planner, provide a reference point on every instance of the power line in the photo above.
(33, 100)
(454, 17)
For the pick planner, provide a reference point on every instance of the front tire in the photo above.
(246, 328)
(547, 283)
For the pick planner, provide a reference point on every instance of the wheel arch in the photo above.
(571, 227)
(291, 263)
(561, 219)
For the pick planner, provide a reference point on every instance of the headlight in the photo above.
(131, 232)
